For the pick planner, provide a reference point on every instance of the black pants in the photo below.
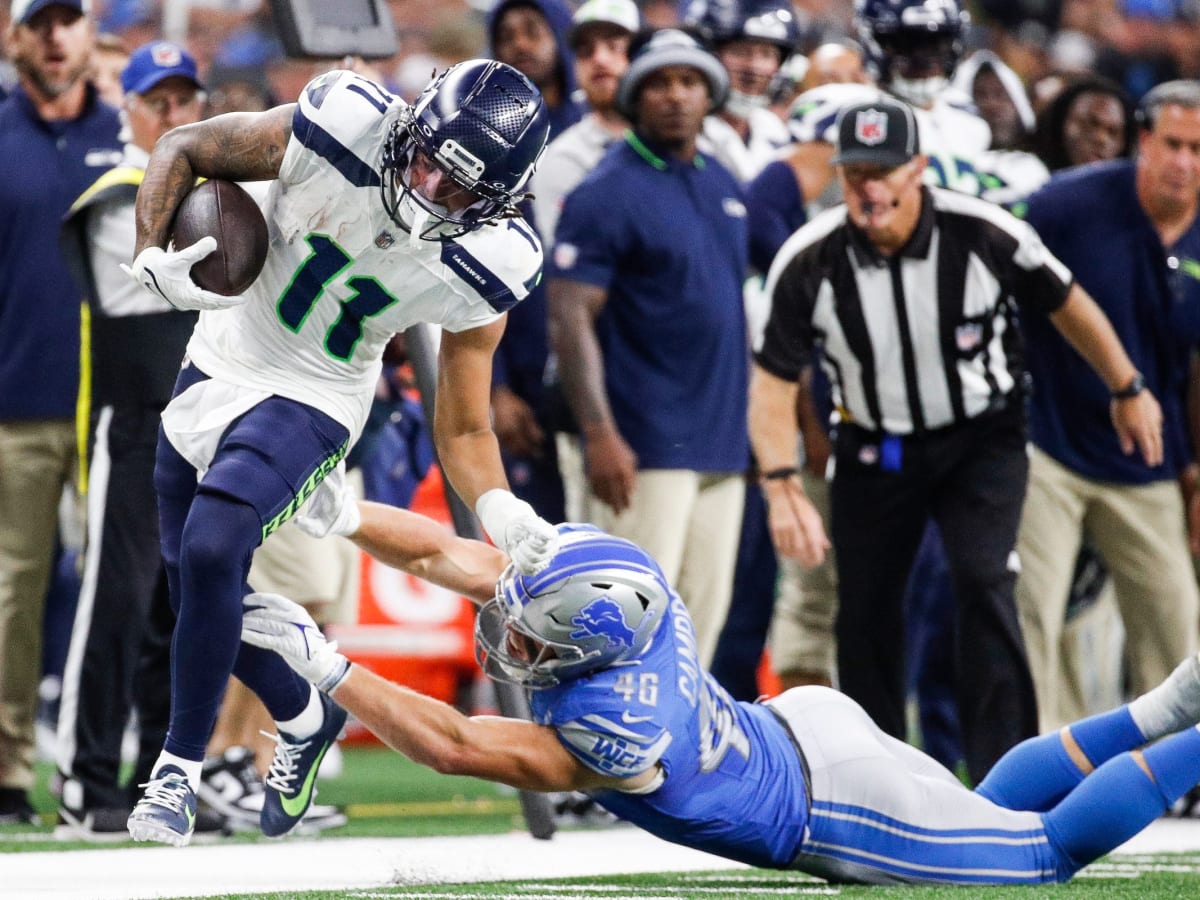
(120, 644)
(971, 480)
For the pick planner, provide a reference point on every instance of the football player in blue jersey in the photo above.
(623, 710)
(381, 216)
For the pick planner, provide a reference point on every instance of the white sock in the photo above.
(307, 723)
(191, 768)
(1172, 706)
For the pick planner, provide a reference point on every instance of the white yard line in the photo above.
(348, 863)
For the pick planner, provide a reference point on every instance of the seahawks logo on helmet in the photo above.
(603, 618)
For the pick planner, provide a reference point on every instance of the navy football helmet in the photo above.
(484, 125)
(912, 46)
(599, 601)
(721, 21)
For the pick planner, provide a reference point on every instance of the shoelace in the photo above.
(283, 764)
(170, 792)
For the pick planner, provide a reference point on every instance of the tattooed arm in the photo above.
(237, 146)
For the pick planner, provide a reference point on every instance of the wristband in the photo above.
(334, 677)
(780, 473)
(1136, 385)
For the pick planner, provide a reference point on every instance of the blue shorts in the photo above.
(273, 456)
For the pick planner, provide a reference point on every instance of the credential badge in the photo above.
(870, 127)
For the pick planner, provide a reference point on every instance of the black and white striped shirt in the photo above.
(924, 339)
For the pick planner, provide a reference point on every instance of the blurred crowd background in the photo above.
(1138, 43)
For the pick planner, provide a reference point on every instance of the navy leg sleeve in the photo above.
(218, 539)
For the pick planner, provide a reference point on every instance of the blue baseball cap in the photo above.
(24, 10)
(151, 63)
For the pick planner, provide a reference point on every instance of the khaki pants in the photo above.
(690, 522)
(1140, 533)
(321, 574)
(801, 638)
(37, 461)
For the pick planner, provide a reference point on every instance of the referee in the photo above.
(911, 293)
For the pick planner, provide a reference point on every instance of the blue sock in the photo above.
(1037, 773)
(1119, 799)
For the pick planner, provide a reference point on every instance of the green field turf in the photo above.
(387, 796)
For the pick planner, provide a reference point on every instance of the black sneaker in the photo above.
(97, 826)
(15, 808)
(229, 784)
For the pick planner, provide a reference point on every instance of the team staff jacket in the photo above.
(924, 339)
(46, 166)
(1092, 220)
(734, 780)
(341, 277)
(135, 338)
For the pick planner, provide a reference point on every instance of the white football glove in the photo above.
(528, 539)
(332, 508)
(274, 622)
(168, 274)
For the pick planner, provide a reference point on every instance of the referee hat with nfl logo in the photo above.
(882, 132)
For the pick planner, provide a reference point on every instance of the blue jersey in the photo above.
(734, 780)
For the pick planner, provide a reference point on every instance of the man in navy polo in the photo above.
(56, 137)
(1129, 231)
(646, 312)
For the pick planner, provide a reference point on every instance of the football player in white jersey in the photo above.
(623, 710)
(381, 215)
(752, 39)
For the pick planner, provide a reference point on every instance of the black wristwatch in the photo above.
(1136, 385)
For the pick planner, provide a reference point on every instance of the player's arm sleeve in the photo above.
(606, 744)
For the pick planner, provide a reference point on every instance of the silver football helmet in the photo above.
(599, 601)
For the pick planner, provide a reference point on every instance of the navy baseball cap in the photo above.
(151, 63)
(882, 132)
(24, 10)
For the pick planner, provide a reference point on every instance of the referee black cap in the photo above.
(882, 132)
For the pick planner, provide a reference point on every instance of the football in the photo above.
(224, 210)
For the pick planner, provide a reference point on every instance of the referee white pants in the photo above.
(883, 812)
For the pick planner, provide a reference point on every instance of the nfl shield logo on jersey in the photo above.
(870, 127)
(968, 337)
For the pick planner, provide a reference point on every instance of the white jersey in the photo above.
(745, 159)
(341, 278)
(953, 138)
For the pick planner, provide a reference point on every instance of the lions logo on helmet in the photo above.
(603, 617)
(599, 601)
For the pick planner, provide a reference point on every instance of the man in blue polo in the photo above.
(56, 137)
(645, 288)
(1129, 231)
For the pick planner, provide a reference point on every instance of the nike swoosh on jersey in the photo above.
(633, 720)
(294, 806)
